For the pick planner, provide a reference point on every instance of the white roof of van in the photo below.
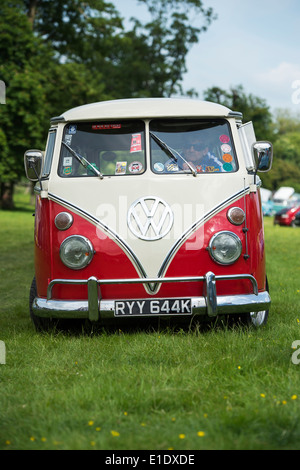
(146, 108)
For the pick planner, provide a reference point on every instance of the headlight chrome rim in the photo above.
(87, 249)
(212, 249)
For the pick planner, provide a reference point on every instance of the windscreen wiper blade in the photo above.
(171, 152)
(164, 146)
(84, 162)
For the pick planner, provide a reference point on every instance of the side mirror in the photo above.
(263, 155)
(33, 162)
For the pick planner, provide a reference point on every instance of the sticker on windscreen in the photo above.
(120, 168)
(101, 127)
(227, 157)
(72, 129)
(136, 143)
(227, 167)
(135, 167)
(224, 139)
(225, 148)
(68, 139)
(158, 166)
(67, 170)
(67, 161)
(171, 166)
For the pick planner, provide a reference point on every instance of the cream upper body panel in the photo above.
(142, 108)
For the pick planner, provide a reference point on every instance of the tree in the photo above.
(147, 60)
(252, 107)
(157, 50)
(283, 173)
(78, 30)
(56, 55)
(286, 166)
(22, 56)
(287, 147)
(287, 137)
(286, 121)
(283, 131)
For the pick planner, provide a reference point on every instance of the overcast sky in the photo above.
(255, 43)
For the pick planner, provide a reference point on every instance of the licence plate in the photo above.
(153, 307)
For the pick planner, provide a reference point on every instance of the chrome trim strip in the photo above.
(207, 277)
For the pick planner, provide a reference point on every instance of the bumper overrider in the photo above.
(96, 308)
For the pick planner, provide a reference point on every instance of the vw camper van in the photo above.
(149, 208)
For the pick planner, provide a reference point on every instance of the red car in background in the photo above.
(287, 216)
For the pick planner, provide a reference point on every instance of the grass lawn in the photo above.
(155, 390)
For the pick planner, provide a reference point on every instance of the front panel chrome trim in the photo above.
(209, 277)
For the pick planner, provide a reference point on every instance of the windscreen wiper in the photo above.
(84, 162)
(172, 152)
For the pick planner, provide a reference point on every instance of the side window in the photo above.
(49, 153)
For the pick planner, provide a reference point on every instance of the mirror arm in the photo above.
(255, 174)
(38, 177)
(256, 169)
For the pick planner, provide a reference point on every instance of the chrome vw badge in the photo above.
(150, 218)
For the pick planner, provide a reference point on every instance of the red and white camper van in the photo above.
(149, 208)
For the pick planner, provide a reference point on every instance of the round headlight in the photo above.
(76, 252)
(236, 215)
(225, 247)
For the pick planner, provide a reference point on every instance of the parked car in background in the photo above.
(297, 219)
(289, 216)
(266, 202)
(283, 198)
(295, 200)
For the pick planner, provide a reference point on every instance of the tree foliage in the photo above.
(23, 117)
(282, 129)
(166, 39)
(56, 55)
(286, 167)
(252, 107)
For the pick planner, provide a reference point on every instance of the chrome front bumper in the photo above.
(96, 308)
